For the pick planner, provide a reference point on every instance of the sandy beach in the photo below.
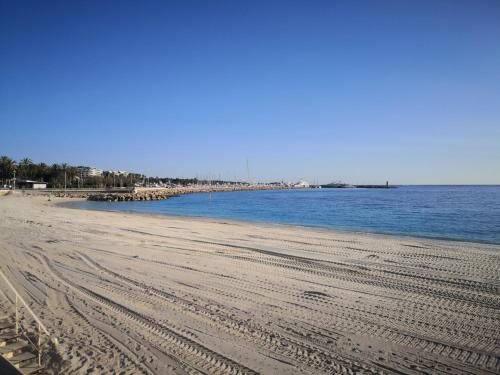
(128, 294)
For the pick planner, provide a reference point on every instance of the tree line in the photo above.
(65, 175)
(59, 175)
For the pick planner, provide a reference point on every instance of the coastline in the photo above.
(74, 202)
(251, 297)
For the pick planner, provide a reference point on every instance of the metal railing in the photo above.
(41, 327)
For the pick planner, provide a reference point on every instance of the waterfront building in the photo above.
(88, 171)
(118, 173)
(302, 184)
(29, 184)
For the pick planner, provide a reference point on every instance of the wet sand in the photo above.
(127, 294)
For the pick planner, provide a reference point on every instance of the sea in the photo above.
(470, 213)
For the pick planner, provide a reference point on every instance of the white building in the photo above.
(118, 173)
(29, 184)
(302, 184)
(88, 171)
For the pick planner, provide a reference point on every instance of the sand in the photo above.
(128, 294)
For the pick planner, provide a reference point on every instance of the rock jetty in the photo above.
(134, 196)
(151, 194)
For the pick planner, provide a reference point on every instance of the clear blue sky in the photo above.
(359, 91)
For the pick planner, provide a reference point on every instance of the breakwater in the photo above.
(148, 194)
(141, 193)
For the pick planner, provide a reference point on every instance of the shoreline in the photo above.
(243, 221)
(216, 294)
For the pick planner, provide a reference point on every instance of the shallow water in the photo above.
(452, 212)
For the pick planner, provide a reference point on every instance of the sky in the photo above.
(354, 91)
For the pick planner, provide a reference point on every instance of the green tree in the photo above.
(54, 177)
(41, 172)
(7, 168)
(25, 169)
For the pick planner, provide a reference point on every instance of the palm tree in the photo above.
(72, 174)
(40, 171)
(25, 168)
(69, 173)
(54, 175)
(7, 168)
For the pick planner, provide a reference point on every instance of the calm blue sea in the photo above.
(452, 212)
